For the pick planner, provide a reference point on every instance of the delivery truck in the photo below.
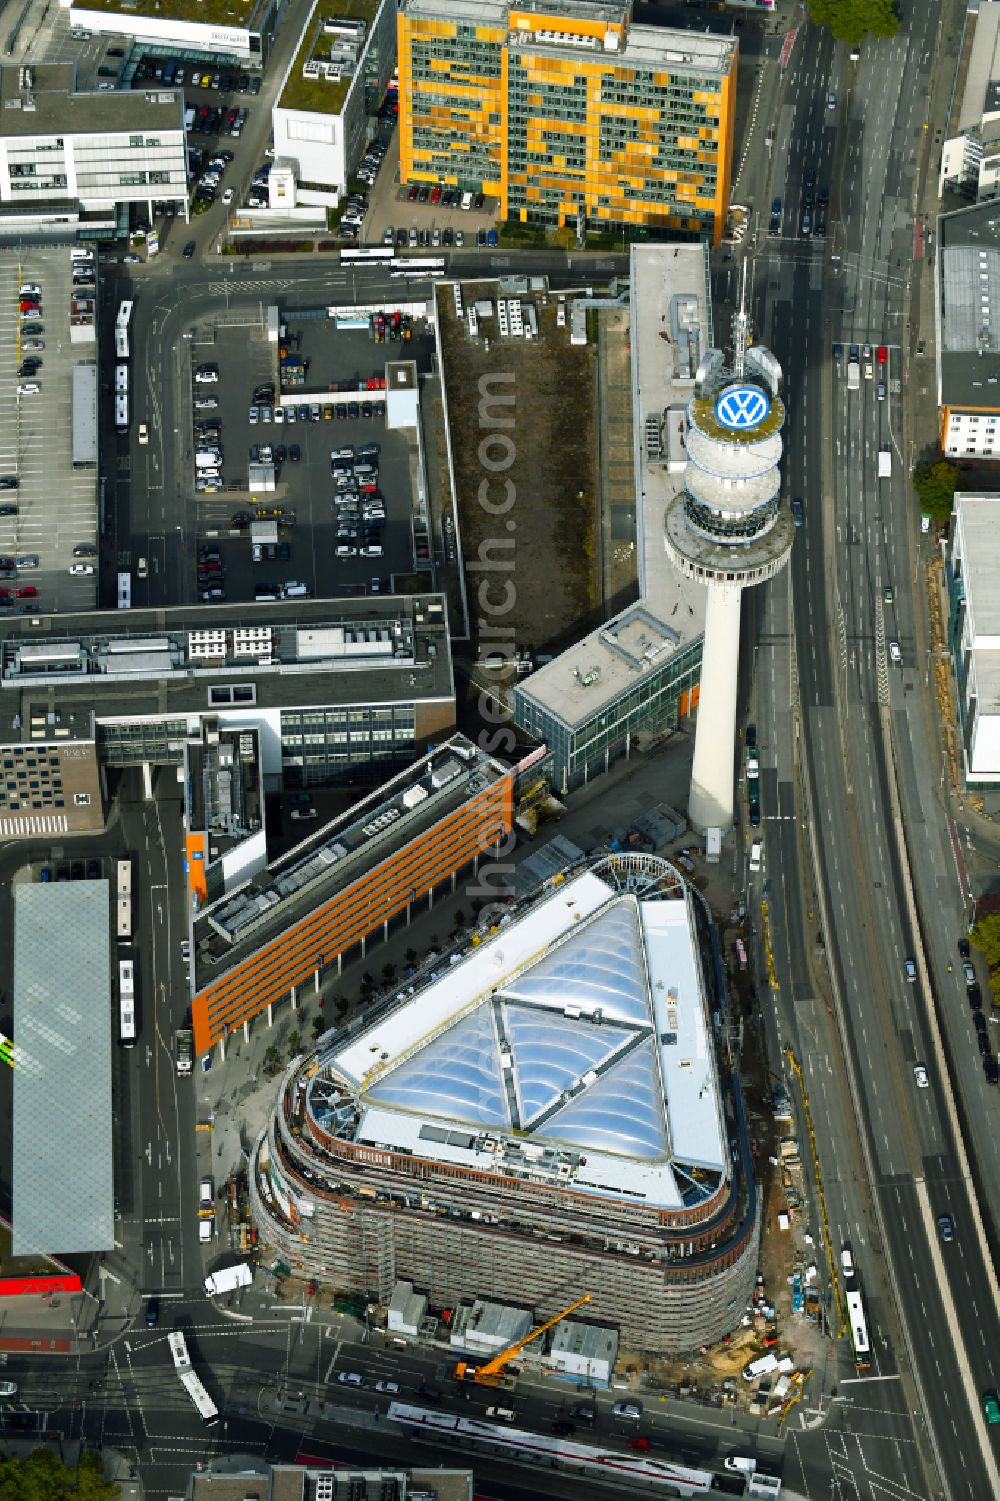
(228, 1280)
(885, 462)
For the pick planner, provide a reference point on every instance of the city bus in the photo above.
(418, 266)
(126, 1003)
(124, 890)
(207, 1410)
(378, 253)
(121, 410)
(859, 1330)
(124, 591)
(121, 330)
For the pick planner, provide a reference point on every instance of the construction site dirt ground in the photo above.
(522, 416)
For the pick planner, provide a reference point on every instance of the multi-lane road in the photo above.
(852, 788)
(842, 735)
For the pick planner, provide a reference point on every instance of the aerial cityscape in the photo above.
(500, 738)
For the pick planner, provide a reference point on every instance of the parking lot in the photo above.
(53, 504)
(306, 551)
(390, 206)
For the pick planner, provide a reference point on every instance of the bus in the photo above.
(121, 330)
(121, 411)
(380, 254)
(124, 888)
(859, 1329)
(121, 380)
(207, 1410)
(126, 1003)
(418, 266)
(124, 591)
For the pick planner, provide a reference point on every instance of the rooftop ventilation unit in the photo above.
(310, 69)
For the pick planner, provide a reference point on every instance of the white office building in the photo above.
(339, 73)
(974, 633)
(970, 159)
(89, 153)
(243, 32)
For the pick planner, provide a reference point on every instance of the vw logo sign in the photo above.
(742, 407)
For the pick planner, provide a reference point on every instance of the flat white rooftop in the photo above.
(575, 1039)
(671, 332)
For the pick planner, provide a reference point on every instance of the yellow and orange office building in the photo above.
(280, 931)
(562, 109)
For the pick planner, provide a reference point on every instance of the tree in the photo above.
(411, 956)
(41, 1477)
(459, 918)
(272, 1060)
(849, 20)
(318, 1025)
(986, 937)
(294, 1043)
(388, 972)
(936, 485)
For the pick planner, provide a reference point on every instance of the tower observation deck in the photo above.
(728, 530)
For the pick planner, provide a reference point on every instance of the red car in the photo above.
(639, 1445)
(435, 195)
(28, 592)
(881, 354)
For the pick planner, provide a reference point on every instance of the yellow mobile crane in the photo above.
(491, 1374)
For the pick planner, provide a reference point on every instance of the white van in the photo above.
(207, 458)
(466, 201)
(501, 1414)
(756, 853)
(760, 1367)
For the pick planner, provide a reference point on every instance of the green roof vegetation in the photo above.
(210, 12)
(315, 95)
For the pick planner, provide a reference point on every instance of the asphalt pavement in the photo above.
(825, 693)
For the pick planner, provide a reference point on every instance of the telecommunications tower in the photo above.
(728, 530)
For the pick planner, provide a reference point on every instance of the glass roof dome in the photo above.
(564, 1051)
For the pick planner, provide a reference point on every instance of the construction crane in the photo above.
(491, 1374)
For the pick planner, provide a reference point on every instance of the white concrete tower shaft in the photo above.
(729, 531)
(710, 804)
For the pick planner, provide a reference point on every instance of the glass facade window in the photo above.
(321, 745)
(626, 143)
(650, 707)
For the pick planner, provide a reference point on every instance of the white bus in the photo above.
(121, 411)
(207, 1410)
(126, 1003)
(859, 1329)
(124, 900)
(376, 253)
(121, 380)
(124, 591)
(121, 330)
(422, 265)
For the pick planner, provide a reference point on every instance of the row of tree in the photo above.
(986, 937)
(851, 20)
(41, 1477)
